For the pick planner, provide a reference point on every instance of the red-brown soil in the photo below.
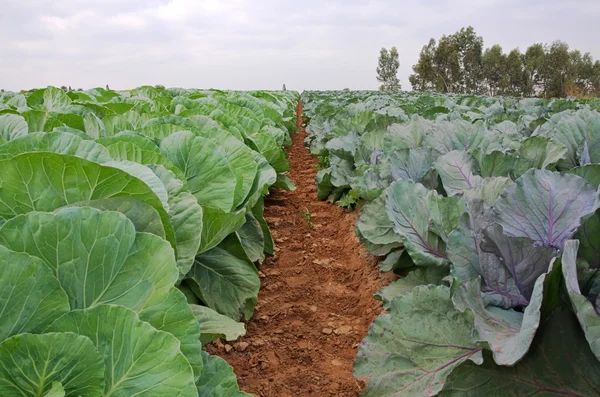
(316, 298)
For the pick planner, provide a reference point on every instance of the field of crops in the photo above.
(487, 208)
(130, 225)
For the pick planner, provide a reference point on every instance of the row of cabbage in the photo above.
(130, 225)
(488, 210)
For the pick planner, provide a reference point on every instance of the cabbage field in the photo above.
(130, 223)
(488, 210)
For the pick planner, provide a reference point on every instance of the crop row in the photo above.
(487, 209)
(130, 225)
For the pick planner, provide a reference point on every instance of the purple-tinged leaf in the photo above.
(509, 333)
(525, 262)
(559, 363)
(410, 351)
(411, 164)
(407, 206)
(545, 207)
(458, 172)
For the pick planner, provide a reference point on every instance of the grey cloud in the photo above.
(243, 44)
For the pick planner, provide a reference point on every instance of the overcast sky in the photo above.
(258, 44)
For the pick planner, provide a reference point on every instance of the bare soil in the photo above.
(316, 298)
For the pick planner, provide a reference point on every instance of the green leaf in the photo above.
(30, 297)
(12, 126)
(590, 172)
(55, 142)
(56, 391)
(218, 379)
(39, 121)
(43, 365)
(266, 145)
(258, 212)
(97, 257)
(444, 213)
(186, 217)
(226, 280)
(129, 151)
(146, 175)
(374, 226)
(131, 138)
(407, 206)
(587, 315)
(70, 120)
(214, 325)
(265, 177)
(323, 182)
(411, 164)
(285, 183)
(411, 351)
(454, 135)
(172, 314)
(55, 100)
(240, 157)
(558, 364)
(539, 152)
(489, 191)
(252, 239)
(497, 163)
(144, 217)
(406, 136)
(139, 359)
(429, 275)
(395, 261)
(217, 225)
(589, 240)
(94, 127)
(207, 170)
(47, 181)
(572, 129)
(115, 123)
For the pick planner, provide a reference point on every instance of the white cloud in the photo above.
(130, 20)
(245, 44)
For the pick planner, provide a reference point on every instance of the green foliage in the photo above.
(458, 64)
(307, 216)
(387, 69)
(475, 202)
(119, 208)
(348, 200)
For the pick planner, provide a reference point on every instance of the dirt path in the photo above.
(315, 302)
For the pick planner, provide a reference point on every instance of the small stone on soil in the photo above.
(228, 348)
(327, 331)
(241, 346)
(344, 329)
(313, 309)
(218, 344)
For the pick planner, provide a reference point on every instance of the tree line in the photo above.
(459, 64)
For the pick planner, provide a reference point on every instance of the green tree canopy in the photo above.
(458, 64)
(387, 71)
